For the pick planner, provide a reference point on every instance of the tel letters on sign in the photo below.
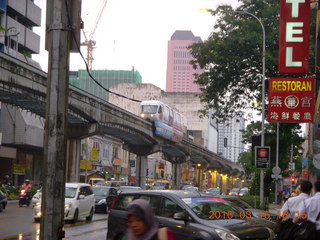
(294, 36)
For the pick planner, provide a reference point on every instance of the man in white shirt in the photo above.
(312, 208)
(291, 206)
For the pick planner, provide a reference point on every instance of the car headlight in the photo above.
(68, 205)
(226, 235)
(102, 201)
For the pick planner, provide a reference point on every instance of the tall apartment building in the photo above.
(230, 137)
(180, 73)
(21, 152)
(107, 78)
(19, 17)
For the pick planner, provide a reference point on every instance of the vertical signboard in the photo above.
(262, 157)
(294, 36)
(291, 100)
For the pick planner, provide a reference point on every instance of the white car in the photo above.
(36, 198)
(79, 203)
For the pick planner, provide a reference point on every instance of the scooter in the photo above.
(24, 198)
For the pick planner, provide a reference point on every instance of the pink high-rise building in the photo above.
(180, 72)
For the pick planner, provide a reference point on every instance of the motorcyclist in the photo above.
(27, 187)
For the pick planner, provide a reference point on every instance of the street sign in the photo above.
(274, 176)
(276, 170)
(262, 157)
(292, 166)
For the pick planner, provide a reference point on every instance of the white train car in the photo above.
(167, 121)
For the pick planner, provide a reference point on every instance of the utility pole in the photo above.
(58, 39)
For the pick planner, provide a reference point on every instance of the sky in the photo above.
(135, 33)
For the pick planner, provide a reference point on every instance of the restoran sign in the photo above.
(291, 100)
(294, 36)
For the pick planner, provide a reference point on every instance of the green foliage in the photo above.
(2, 29)
(232, 57)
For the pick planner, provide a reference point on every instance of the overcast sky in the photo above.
(135, 33)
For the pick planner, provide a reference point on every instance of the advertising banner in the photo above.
(294, 36)
(291, 100)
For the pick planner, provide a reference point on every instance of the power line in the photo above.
(87, 67)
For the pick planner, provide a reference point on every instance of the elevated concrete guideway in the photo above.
(25, 86)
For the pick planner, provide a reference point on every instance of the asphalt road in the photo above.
(17, 224)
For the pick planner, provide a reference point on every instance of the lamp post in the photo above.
(263, 90)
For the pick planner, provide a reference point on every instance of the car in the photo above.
(234, 192)
(36, 197)
(214, 191)
(3, 201)
(79, 203)
(258, 213)
(191, 216)
(128, 188)
(195, 189)
(243, 191)
(104, 196)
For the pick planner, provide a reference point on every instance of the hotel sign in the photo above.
(291, 100)
(294, 36)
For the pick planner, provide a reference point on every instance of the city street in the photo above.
(17, 223)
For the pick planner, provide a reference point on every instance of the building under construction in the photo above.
(106, 78)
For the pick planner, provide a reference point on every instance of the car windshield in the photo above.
(99, 191)
(70, 192)
(212, 208)
(151, 109)
(239, 203)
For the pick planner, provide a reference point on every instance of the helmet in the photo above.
(27, 181)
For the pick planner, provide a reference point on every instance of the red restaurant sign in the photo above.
(294, 36)
(291, 100)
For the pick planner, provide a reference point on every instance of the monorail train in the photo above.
(167, 121)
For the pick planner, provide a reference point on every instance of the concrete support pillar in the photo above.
(73, 160)
(176, 175)
(141, 170)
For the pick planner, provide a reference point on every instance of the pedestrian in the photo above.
(289, 208)
(143, 225)
(309, 209)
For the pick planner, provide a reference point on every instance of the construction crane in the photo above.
(89, 42)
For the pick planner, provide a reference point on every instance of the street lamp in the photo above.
(263, 87)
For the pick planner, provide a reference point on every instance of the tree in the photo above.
(232, 57)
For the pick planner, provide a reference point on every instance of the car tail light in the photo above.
(114, 202)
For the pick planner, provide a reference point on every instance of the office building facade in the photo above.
(180, 73)
(17, 19)
(107, 78)
(230, 138)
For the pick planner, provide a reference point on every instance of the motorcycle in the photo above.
(24, 198)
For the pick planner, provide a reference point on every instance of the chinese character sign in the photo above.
(291, 100)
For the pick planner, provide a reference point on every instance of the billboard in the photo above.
(294, 37)
(291, 100)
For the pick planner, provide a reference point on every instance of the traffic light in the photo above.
(293, 180)
(225, 142)
(147, 172)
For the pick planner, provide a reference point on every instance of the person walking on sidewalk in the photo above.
(311, 208)
(290, 207)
